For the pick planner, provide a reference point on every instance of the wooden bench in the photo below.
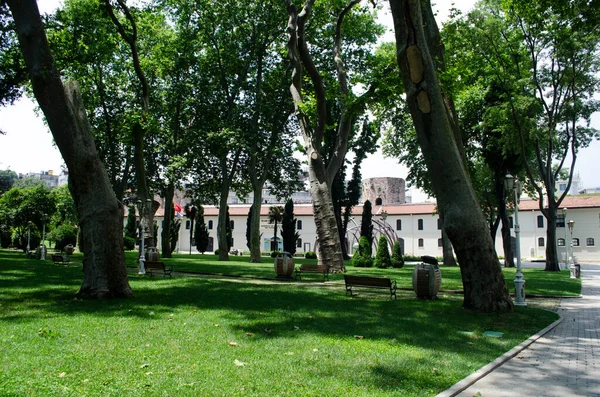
(311, 269)
(369, 282)
(60, 259)
(158, 266)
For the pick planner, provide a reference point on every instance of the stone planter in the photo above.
(69, 249)
(284, 265)
(152, 254)
(427, 278)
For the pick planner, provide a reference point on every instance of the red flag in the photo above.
(177, 207)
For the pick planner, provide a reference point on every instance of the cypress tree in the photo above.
(382, 258)
(397, 259)
(201, 232)
(366, 224)
(288, 225)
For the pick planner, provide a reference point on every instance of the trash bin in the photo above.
(284, 265)
(576, 271)
(427, 278)
(152, 254)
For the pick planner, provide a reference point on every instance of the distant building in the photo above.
(51, 179)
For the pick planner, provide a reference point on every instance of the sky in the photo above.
(28, 145)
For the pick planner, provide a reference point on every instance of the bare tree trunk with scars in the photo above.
(99, 212)
(436, 127)
(321, 174)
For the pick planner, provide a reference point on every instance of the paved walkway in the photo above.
(564, 362)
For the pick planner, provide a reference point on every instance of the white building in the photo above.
(416, 225)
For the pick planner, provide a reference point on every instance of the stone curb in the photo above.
(462, 385)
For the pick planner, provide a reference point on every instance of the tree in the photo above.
(275, 217)
(420, 57)
(175, 226)
(249, 228)
(132, 225)
(563, 65)
(288, 228)
(313, 115)
(382, 257)
(366, 223)
(99, 212)
(397, 260)
(228, 230)
(7, 180)
(201, 235)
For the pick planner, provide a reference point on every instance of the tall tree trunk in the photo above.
(330, 248)
(447, 250)
(255, 227)
(321, 175)
(167, 219)
(483, 282)
(222, 218)
(99, 212)
(552, 264)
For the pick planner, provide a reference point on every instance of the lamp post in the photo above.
(564, 212)
(571, 225)
(141, 206)
(43, 253)
(512, 183)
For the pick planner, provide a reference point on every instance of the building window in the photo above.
(560, 242)
(540, 220)
(231, 224)
(299, 243)
(378, 201)
(440, 243)
(562, 187)
(421, 243)
(299, 225)
(589, 242)
(420, 224)
(540, 242)
(188, 224)
(439, 223)
(575, 242)
(398, 224)
(511, 222)
(560, 220)
(210, 225)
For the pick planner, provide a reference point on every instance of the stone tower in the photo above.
(384, 191)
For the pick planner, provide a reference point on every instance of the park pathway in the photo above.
(565, 362)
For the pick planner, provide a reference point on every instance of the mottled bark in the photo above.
(435, 124)
(99, 212)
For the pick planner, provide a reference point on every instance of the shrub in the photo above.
(128, 243)
(397, 260)
(63, 235)
(310, 255)
(217, 251)
(362, 256)
(382, 258)
(275, 253)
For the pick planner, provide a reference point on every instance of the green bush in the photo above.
(382, 258)
(275, 253)
(128, 243)
(362, 256)
(310, 255)
(217, 251)
(397, 260)
(63, 235)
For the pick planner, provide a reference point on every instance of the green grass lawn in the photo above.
(538, 282)
(198, 336)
